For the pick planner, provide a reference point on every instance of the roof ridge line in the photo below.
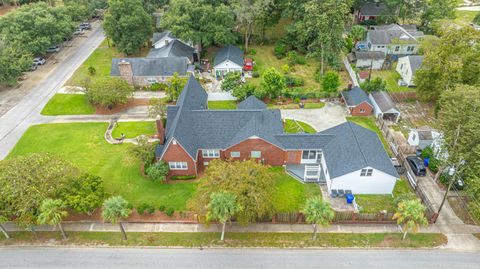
(357, 143)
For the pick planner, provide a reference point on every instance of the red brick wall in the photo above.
(175, 153)
(294, 157)
(271, 155)
(356, 111)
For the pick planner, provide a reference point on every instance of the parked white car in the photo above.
(39, 61)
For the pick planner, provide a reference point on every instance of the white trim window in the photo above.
(211, 153)
(366, 172)
(235, 154)
(256, 154)
(178, 165)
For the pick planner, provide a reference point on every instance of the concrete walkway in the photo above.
(351, 73)
(321, 119)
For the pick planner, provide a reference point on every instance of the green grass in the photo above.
(290, 195)
(68, 104)
(222, 105)
(391, 78)
(132, 129)
(369, 123)
(295, 106)
(83, 144)
(371, 203)
(292, 127)
(278, 240)
(464, 17)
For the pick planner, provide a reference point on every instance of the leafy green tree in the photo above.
(203, 22)
(323, 26)
(331, 81)
(411, 215)
(143, 150)
(247, 13)
(13, 63)
(249, 181)
(231, 81)
(222, 207)
(175, 87)
(453, 61)
(318, 212)
(157, 171)
(128, 25)
(25, 181)
(476, 20)
(157, 106)
(52, 212)
(243, 91)
(114, 210)
(403, 10)
(437, 10)
(85, 194)
(108, 92)
(376, 84)
(273, 83)
(358, 33)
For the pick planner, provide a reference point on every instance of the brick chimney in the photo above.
(160, 130)
(126, 71)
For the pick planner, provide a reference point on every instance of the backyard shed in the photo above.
(384, 106)
(228, 59)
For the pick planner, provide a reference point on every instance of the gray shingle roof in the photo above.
(369, 55)
(175, 48)
(355, 96)
(353, 148)
(415, 62)
(152, 67)
(230, 52)
(251, 102)
(373, 9)
(385, 34)
(348, 147)
(158, 36)
(383, 100)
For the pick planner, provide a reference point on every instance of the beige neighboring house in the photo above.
(406, 67)
(394, 40)
(143, 72)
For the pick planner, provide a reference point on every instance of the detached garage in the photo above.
(384, 107)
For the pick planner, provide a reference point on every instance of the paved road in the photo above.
(17, 120)
(232, 258)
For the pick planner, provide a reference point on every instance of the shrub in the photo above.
(157, 171)
(170, 211)
(255, 74)
(404, 197)
(427, 152)
(376, 84)
(330, 81)
(158, 87)
(296, 100)
(255, 68)
(183, 177)
(161, 208)
(243, 91)
(145, 209)
(280, 50)
(286, 68)
(293, 58)
(291, 81)
(434, 164)
(92, 71)
(108, 92)
(231, 81)
(252, 51)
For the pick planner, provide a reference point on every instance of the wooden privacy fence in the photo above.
(339, 217)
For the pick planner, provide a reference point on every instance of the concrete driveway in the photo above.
(330, 115)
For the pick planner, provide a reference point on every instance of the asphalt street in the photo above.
(17, 120)
(232, 258)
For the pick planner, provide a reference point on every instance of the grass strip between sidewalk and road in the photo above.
(278, 240)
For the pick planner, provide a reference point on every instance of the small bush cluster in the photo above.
(292, 81)
(158, 87)
(280, 50)
(162, 208)
(293, 58)
(169, 212)
(157, 171)
(145, 209)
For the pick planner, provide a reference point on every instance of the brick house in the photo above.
(346, 156)
(357, 102)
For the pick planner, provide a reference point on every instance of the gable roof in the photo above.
(373, 9)
(386, 34)
(230, 52)
(355, 96)
(353, 148)
(251, 102)
(152, 67)
(383, 101)
(158, 36)
(415, 62)
(369, 55)
(175, 48)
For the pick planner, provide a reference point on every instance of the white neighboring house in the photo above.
(383, 106)
(228, 59)
(395, 40)
(406, 67)
(364, 181)
(422, 137)
(162, 39)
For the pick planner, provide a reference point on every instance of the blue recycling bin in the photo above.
(349, 198)
(426, 161)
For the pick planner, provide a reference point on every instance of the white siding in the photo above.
(378, 183)
(403, 49)
(404, 69)
(226, 67)
(364, 63)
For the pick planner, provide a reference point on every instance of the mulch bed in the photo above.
(157, 216)
(132, 103)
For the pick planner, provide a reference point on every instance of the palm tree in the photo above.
(4, 231)
(411, 215)
(318, 212)
(222, 207)
(114, 210)
(52, 212)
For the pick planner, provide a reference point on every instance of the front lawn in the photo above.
(132, 129)
(68, 104)
(464, 17)
(391, 78)
(369, 123)
(372, 203)
(222, 104)
(290, 195)
(292, 126)
(84, 145)
(276, 240)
